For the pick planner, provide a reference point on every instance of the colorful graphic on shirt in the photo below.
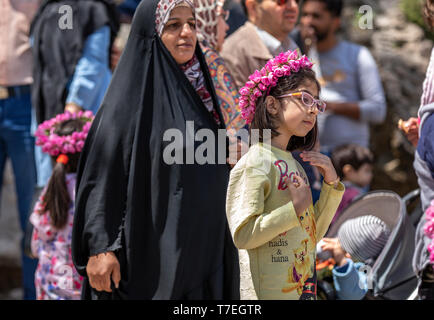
(300, 270)
(307, 221)
(283, 168)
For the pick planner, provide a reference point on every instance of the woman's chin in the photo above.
(183, 57)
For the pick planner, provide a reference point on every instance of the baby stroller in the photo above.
(391, 276)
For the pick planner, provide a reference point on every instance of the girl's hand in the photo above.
(323, 163)
(73, 108)
(300, 194)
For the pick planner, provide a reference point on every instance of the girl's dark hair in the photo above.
(263, 120)
(56, 199)
(352, 154)
(428, 13)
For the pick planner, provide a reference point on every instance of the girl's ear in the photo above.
(272, 105)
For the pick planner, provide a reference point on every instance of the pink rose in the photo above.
(278, 73)
(244, 91)
(257, 93)
(250, 84)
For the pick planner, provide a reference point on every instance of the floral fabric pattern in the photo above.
(55, 276)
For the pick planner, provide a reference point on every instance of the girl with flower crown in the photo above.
(63, 139)
(269, 205)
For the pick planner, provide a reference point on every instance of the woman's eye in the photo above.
(301, 218)
(173, 26)
(192, 25)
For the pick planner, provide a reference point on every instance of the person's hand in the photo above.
(308, 36)
(72, 108)
(101, 268)
(115, 55)
(236, 148)
(323, 163)
(333, 245)
(300, 194)
(410, 129)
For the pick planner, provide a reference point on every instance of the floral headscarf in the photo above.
(207, 20)
(164, 8)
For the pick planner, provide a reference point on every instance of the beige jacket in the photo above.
(244, 52)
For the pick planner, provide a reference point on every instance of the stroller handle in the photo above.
(410, 196)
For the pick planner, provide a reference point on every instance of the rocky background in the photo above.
(402, 53)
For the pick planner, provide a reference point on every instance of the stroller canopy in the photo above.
(391, 276)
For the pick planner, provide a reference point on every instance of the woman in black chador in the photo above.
(145, 227)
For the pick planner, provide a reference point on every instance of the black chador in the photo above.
(165, 222)
(58, 44)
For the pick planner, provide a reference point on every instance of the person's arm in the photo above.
(250, 225)
(425, 147)
(350, 284)
(372, 106)
(331, 192)
(348, 109)
(90, 72)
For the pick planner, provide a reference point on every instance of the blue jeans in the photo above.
(17, 143)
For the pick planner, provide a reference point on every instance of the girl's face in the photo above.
(297, 119)
(179, 34)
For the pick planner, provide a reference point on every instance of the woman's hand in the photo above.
(300, 194)
(101, 268)
(410, 129)
(323, 163)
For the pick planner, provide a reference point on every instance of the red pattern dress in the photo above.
(56, 277)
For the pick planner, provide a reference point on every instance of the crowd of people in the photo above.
(118, 216)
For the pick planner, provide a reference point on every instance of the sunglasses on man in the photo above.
(283, 2)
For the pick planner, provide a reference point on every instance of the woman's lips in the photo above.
(307, 122)
(184, 46)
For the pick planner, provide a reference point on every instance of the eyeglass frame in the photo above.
(315, 102)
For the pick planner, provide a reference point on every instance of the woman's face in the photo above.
(179, 34)
(222, 28)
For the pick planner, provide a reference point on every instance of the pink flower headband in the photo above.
(429, 229)
(54, 144)
(262, 81)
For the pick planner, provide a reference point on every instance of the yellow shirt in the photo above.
(277, 248)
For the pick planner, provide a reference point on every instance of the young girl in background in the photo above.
(63, 138)
(269, 204)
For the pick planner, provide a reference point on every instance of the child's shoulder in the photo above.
(258, 157)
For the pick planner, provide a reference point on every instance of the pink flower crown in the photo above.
(429, 229)
(54, 144)
(262, 81)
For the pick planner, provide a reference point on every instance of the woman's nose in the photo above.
(187, 30)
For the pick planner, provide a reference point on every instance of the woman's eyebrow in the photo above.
(176, 18)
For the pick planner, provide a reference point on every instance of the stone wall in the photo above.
(402, 55)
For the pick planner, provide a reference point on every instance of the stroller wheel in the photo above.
(325, 291)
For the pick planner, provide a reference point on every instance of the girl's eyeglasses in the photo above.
(307, 100)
